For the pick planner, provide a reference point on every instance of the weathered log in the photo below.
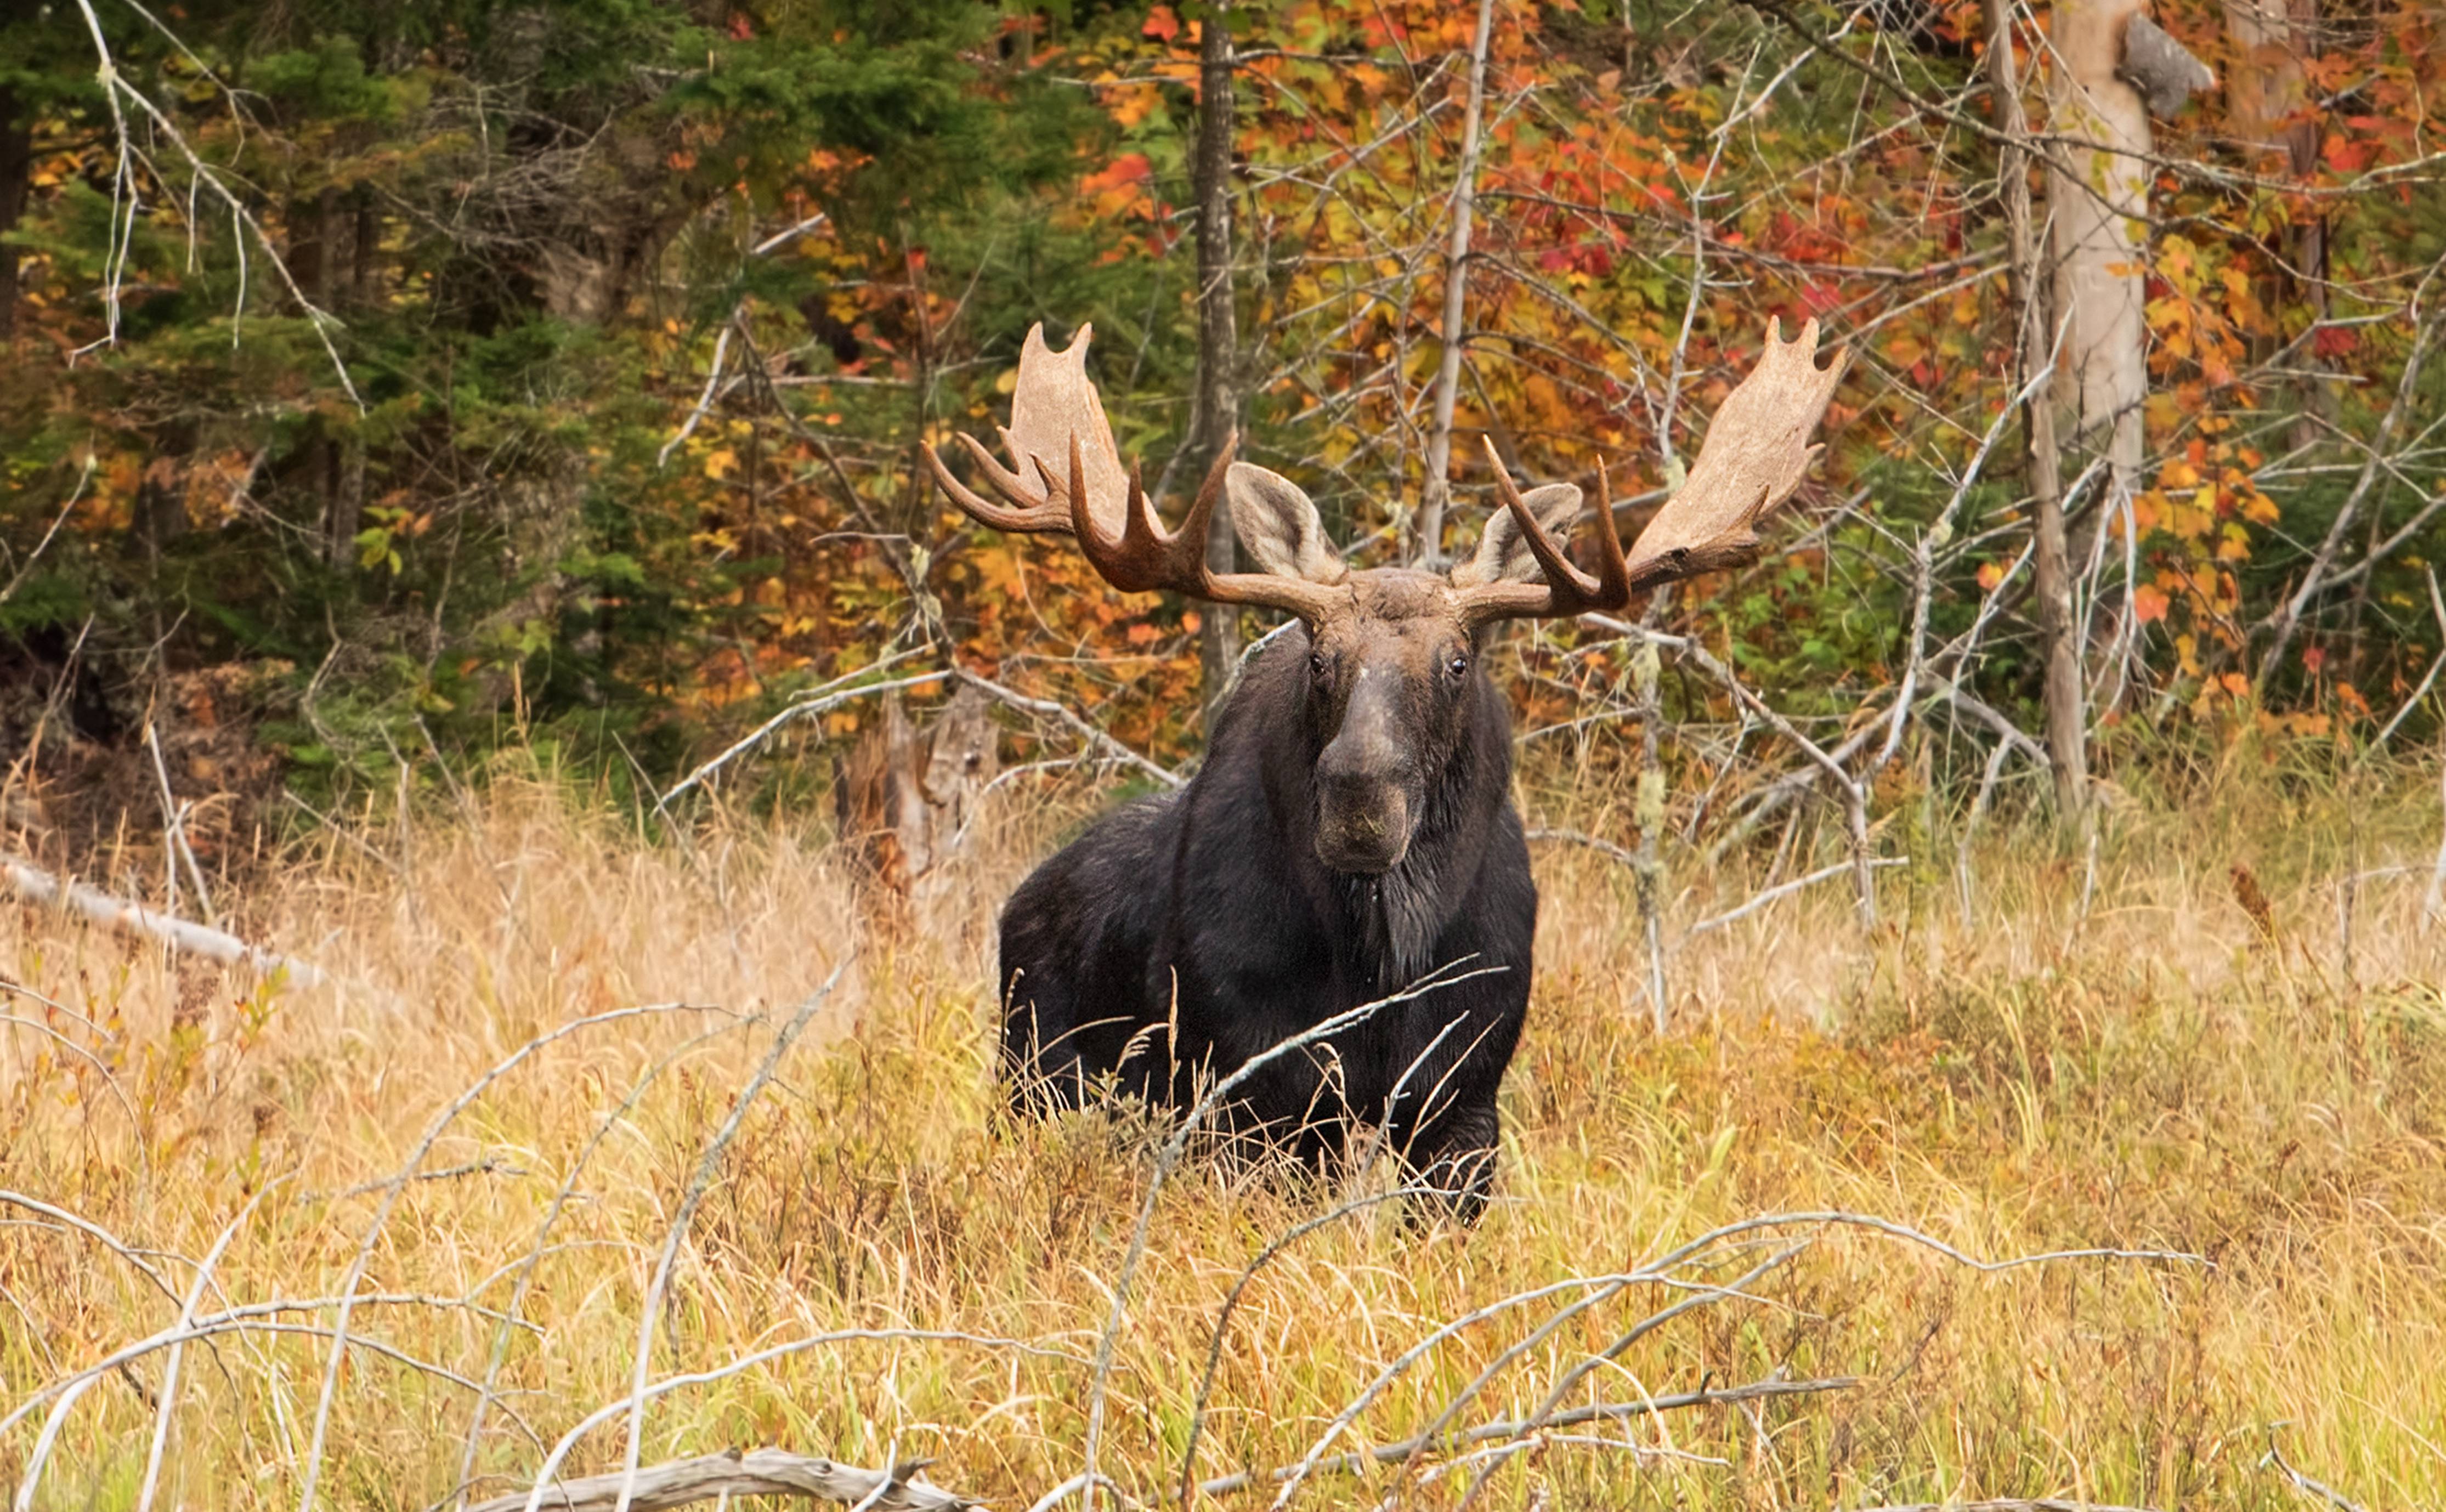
(36, 885)
(756, 1472)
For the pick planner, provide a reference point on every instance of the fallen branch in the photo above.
(1512, 1428)
(36, 885)
(758, 1472)
(2315, 1490)
(2044, 1503)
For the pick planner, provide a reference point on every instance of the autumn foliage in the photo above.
(559, 369)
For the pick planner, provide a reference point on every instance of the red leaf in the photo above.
(1127, 169)
(1162, 24)
(2346, 155)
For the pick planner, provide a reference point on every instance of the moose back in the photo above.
(1351, 837)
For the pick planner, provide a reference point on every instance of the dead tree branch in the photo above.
(1045, 708)
(1437, 489)
(36, 885)
(756, 1472)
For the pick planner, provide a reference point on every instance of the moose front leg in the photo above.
(1451, 1154)
(1042, 1073)
(1440, 1116)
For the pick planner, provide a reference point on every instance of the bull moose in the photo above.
(1350, 833)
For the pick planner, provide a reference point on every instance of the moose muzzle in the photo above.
(1365, 806)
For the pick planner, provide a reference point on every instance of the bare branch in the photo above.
(1046, 708)
(33, 884)
(756, 1472)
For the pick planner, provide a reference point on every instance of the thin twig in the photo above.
(1510, 1428)
(398, 1183)
(1072, 722)
(704, 400)
(818, 701)
(708, 1163)
(2316, 1491)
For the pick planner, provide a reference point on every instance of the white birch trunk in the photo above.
(2098, 195)
(1437, 492)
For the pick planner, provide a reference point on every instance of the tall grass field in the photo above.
(669, 1132)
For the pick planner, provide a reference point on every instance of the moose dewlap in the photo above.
(1349, 838)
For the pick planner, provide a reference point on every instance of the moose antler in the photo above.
(1055, 413)
(1756, 453)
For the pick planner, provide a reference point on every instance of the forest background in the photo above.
(399, 381)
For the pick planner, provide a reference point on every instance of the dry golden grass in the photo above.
(2152, 1075)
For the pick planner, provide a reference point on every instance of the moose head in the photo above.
(1393, 651)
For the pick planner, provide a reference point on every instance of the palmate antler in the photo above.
(1754, 458)
(1755, 455)
(1056, 413)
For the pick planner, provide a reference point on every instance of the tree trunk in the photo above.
(2267, 86)
(2097, 195)
(1435, 492)
(341, 460)
(364, 244)
(344, 512)
(1217, 410)
(2268, 109)
(16, 166)
(2067, 709)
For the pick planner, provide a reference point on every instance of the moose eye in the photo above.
(1458, 665)
(1316, 664)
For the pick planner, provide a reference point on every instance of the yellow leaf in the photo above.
(720, 462)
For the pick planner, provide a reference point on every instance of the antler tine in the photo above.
(1144, 558)
(1210, 493)
(1009, 482)
(1560, 574)
(1120, 563)
(1567, 589)
(1031, 515)
(1149, 549)
(1613, 568)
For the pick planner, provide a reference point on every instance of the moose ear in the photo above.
(1504, 552)
(1278, 525)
